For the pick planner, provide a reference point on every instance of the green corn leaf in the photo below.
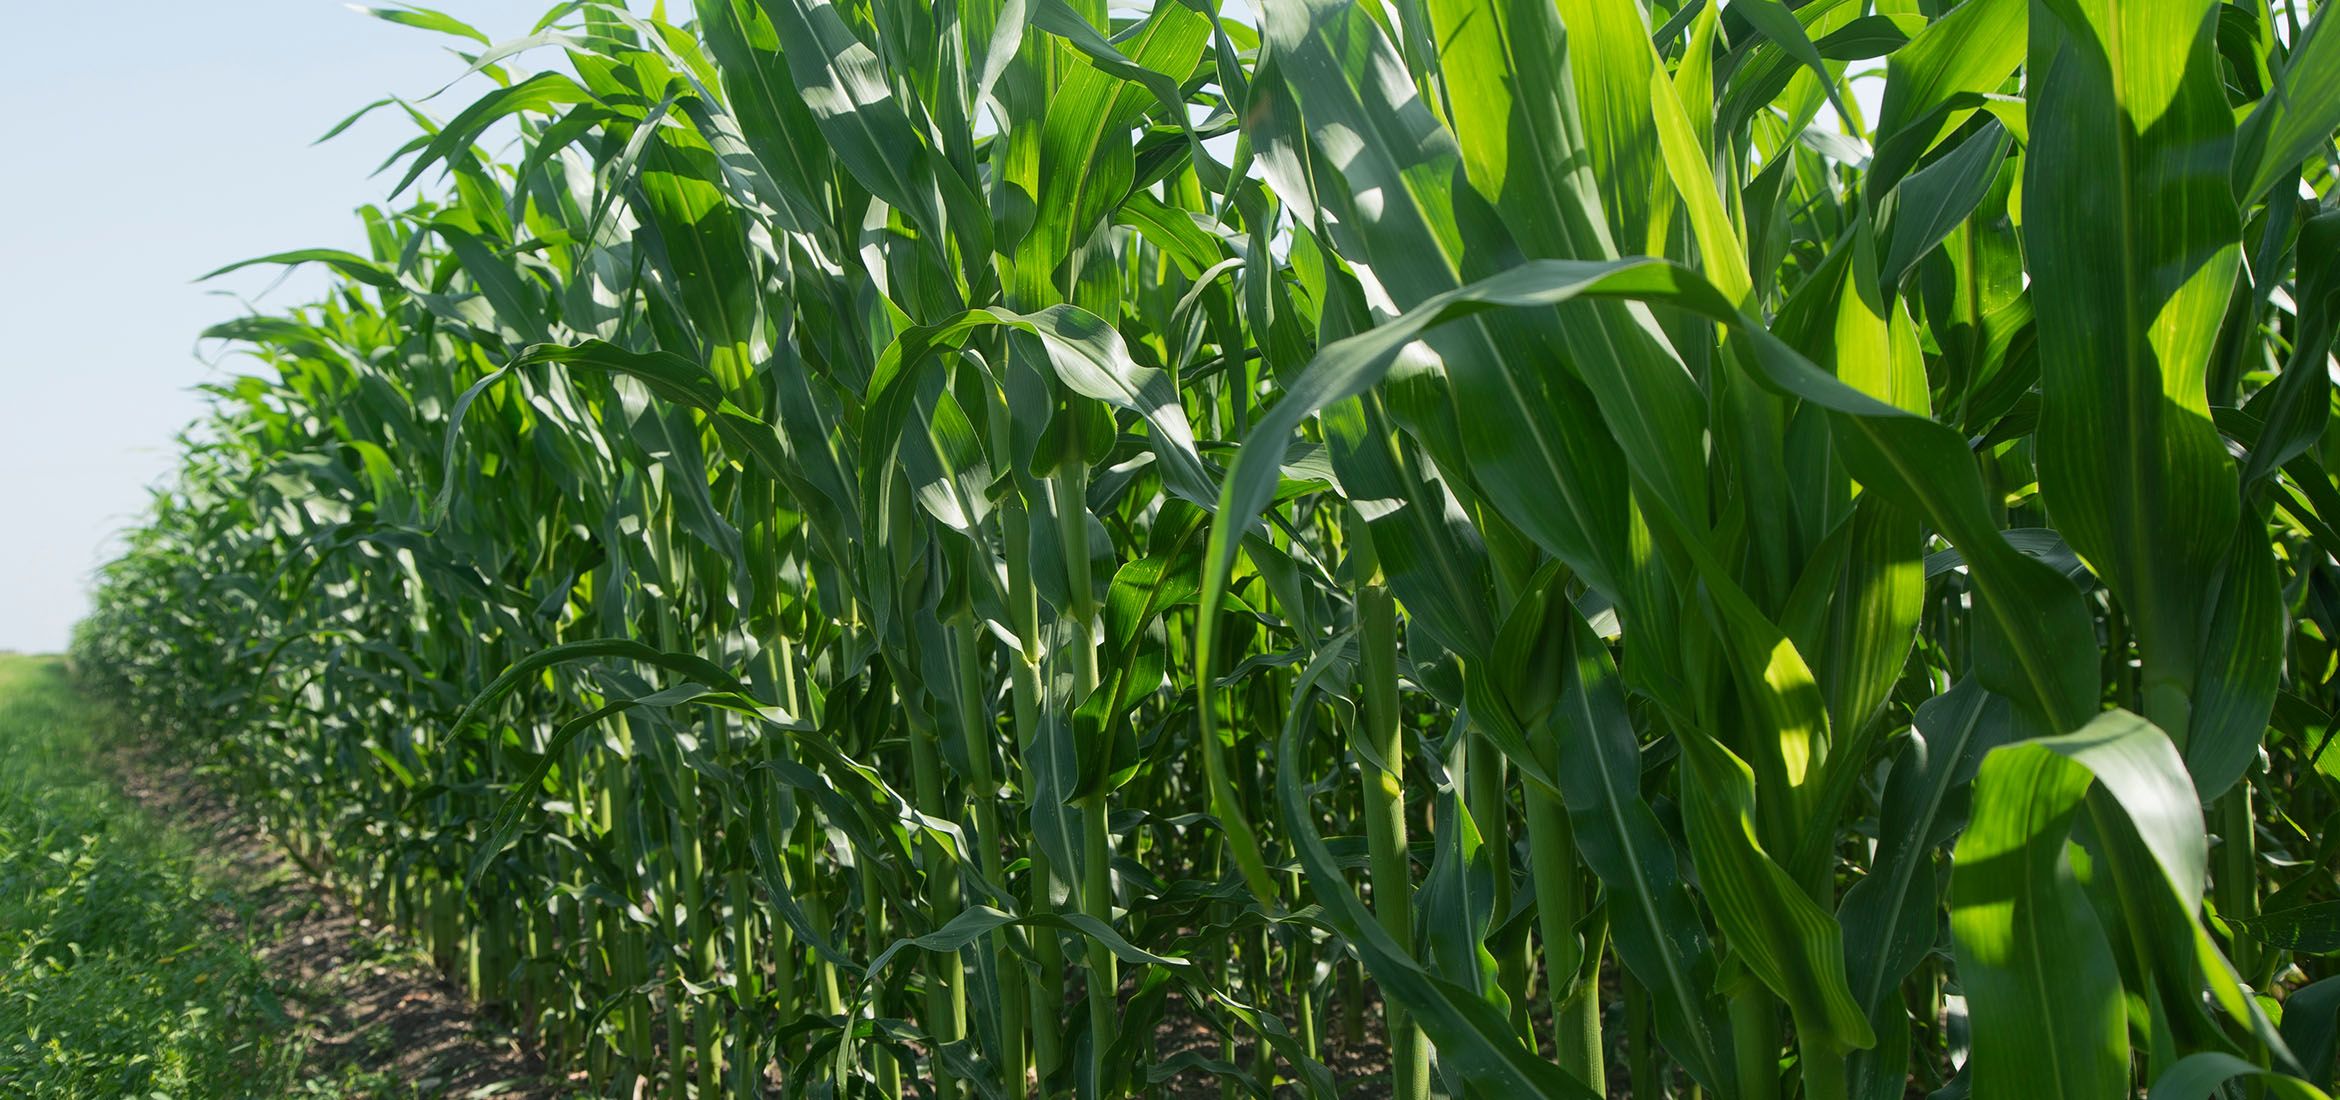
(1970, 50)
(520, 671)
(537, 94)
(2296, 119)
(2201, 1076)
(2133, 252)
(1790, 943)
(1476, 1037)
(1889, 917)
(2310, 929)
(2311, 1026)
(2032, 950)
(1659, 936)
(346, 263)
(1936, 198)
(426, 19)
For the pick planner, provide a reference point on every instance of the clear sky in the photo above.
(150, 141)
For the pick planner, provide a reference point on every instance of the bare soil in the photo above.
(377, 1020)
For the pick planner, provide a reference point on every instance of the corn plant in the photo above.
(884, 548)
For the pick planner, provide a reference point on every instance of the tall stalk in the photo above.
(975, 742)
(1069, 488)
(1381, 750)
(1571, 959)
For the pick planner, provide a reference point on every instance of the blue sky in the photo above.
(150, 141)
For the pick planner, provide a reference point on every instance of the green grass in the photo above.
(115, 977)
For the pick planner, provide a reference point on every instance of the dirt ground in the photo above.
(377, 1019)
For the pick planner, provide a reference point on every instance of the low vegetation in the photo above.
(118, 974)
